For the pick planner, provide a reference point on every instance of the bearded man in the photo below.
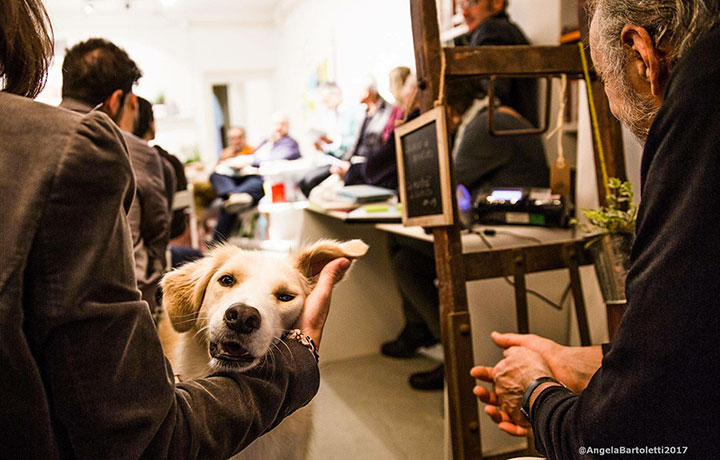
(654, 391)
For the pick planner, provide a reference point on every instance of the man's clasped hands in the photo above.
(526, 358)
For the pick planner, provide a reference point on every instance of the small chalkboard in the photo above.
(424, 170)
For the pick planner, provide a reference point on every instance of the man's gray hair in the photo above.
(673, 25)
(370, 83)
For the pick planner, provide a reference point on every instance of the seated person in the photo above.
(333, 127)
(238, 144)
(489, 25)
(368, 139)
(480, 160)
(380, 168)
(98, 74)
(244, 188)
(398, 78)
(175, 181)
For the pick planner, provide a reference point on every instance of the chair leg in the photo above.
(521, 302)
(571, 260)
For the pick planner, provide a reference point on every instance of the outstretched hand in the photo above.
(317, 305)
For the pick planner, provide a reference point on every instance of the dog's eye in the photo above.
(285, 297)
(226, 280)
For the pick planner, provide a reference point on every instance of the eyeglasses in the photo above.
(465, 4)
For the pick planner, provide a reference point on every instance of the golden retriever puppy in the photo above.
(228, 310)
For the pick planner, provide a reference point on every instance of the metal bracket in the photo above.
(544, 125)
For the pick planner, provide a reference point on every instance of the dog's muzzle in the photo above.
(231, 347)
(242, 318)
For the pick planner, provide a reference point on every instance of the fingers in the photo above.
(505, 423)
(482, 373)
(515, 430)
(330, 274)
(497, 415)
(486, 396)
(317, 305)
(510, 339)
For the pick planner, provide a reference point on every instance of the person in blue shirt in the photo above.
(240, 191)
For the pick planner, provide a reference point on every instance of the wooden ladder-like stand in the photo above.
(455, 269)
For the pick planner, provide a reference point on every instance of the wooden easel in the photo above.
(453, 268)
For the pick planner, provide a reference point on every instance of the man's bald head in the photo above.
(281, 125)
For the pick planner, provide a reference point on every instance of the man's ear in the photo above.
(652, 62)
(131, 102)
(114, 103)
(184, 288)
(312, 259)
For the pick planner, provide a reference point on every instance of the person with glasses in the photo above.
(489, 25)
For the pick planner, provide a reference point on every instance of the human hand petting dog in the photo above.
(317, 305)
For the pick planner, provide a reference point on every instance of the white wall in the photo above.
(540, 20)
(356, 38)
(180, 58)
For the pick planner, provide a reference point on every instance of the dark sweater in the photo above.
(659, 384)
(519, 93)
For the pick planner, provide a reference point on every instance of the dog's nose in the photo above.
(242, 318)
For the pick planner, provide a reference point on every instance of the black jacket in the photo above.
(658, 384)
(519, 93)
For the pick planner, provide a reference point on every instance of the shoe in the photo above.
(413, 336)
(429, 380)
(237, 202)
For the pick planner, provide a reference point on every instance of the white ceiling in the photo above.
(188, 10)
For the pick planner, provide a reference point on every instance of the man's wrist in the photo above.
(533, 391)
(540, 388)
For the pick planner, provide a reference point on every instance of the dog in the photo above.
(228, 310)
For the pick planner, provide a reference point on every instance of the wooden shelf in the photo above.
(513, 61)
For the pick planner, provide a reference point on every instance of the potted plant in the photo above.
(613, 232)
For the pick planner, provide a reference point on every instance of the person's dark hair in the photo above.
(26, 46)
(144, 118)
(96, 68)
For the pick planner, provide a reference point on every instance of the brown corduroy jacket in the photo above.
(82, 374)
(149, 215)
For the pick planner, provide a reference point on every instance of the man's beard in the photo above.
(637, 112)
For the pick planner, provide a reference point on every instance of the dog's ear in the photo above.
(184, 288)
(312, 259)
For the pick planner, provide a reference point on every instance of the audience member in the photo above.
(174, 169)
(398, 78)
(238, 144)
(332, 128)
(654, 389)
(367, 139)
(490, 25)
(98, 73)
(83, 373)
(480, 161)
(380, 168)
(241, 190)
